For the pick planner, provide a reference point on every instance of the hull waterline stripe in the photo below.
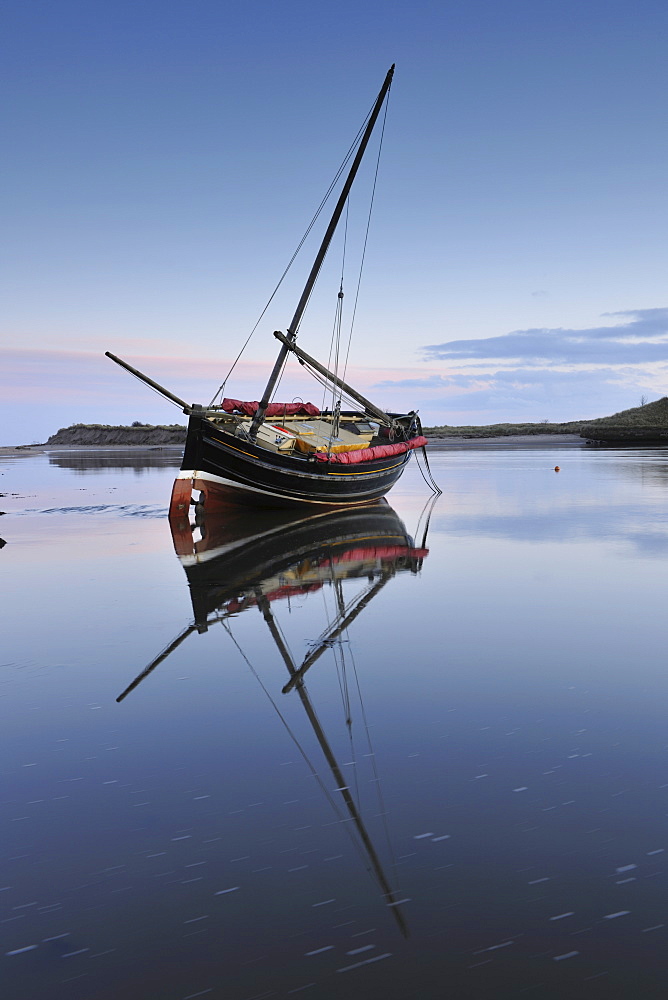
(199, 558)
(241, 487)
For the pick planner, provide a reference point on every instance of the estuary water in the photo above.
(349, 759)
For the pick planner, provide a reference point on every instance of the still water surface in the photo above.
(464, 794)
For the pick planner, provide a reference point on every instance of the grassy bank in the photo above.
(501, 430)
(640, 424)
(107, 434)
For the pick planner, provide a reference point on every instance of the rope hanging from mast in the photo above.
(344, 163)
(333, 357)
(366, 236)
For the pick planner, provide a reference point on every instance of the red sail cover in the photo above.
(273, 410)
(379, 552)
(369, 454)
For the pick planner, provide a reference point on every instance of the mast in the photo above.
(322, 252)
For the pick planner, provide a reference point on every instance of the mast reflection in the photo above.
(243, 560)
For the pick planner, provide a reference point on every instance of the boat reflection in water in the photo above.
(239, 561)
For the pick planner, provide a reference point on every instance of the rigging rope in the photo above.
(335, 339)
(338, 812)
(156, 391)
(292, 736)
(337, 392)
(324, 382)
(311, 224)
(372, 756)
(366, 237)
(339, 658)
(339, 314)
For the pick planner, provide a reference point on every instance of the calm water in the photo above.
(465, 795)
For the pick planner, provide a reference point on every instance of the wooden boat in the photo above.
(288, 455)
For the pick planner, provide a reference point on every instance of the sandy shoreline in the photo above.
(509, 441)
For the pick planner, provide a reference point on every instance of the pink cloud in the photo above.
(32, 375)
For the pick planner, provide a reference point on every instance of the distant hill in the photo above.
(106, 434)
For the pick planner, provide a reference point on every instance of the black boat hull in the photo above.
(233, 470)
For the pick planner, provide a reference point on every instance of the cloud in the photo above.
(557, 374)
(595, 521)
(543, 394)
(641, 339)
(530, 394)
(425, 382)
(41, 375)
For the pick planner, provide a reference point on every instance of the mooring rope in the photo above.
(428, 478)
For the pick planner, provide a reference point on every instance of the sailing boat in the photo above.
(286, 455)
(259, 560)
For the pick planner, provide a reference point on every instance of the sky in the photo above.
(162, 160)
